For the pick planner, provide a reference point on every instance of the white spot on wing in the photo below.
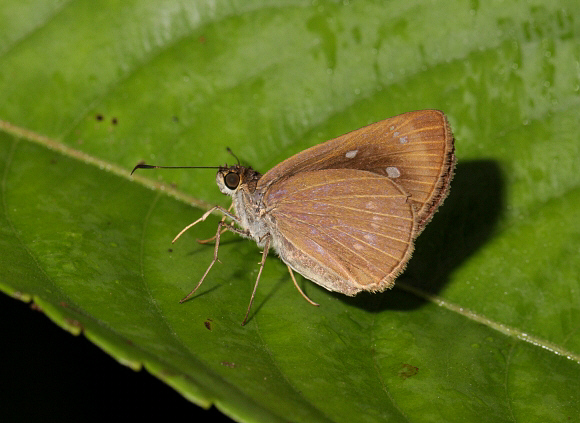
(403, 140)
(393, 172)
(371, 205)
(351, 154)
(396, 133)
(358, 247)
(370, 238)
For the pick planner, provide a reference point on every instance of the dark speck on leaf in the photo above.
(407, 371)
(228, 364)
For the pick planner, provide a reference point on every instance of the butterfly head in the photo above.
(230, 179)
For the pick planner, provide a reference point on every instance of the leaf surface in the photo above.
(485, 320)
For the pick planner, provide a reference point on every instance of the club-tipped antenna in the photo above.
(147, 166)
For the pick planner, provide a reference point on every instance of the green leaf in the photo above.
(485, 320)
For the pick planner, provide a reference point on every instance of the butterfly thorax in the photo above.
(240, 182)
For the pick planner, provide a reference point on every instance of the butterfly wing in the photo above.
(347, 230)
(415, 150)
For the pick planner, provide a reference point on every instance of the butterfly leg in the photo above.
(298, 288)
(205, 216)
(215, 254)
(262, 263)
(206, 241)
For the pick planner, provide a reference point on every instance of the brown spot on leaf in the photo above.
(407, 371)
(74, 322)
(228, 364)
(35, 306)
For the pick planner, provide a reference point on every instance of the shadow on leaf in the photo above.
(465, 222)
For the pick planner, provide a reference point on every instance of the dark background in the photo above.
(47, 374)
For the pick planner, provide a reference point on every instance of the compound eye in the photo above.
(232, 180)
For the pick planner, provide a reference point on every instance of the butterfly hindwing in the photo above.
(354, 227)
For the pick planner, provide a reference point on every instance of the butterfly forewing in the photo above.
(414, 150)
(348, 230)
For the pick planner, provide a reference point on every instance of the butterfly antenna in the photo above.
(229, 150)
(147, 166)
